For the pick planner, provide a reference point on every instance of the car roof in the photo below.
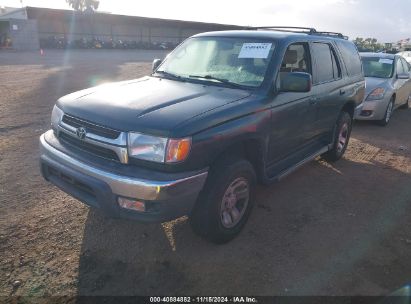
(267, 34)
(379, 55)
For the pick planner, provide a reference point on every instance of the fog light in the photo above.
(131, 204)
(366, 113)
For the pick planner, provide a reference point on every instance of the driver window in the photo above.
(296, 59)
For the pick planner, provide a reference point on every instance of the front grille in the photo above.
(76, 143)
(90, 127)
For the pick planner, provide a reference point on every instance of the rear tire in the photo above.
(388, 113)
(407, 104)
(341, 137)
(226, 201)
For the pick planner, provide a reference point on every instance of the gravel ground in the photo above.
(341, 229)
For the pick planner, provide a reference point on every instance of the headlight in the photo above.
(158, 149)
(375, 94)
(56, 117)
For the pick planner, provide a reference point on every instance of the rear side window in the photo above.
(400, 68)
(327, 67)
(405, 65)
(351, 57)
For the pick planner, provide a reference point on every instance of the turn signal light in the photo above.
(178, 150)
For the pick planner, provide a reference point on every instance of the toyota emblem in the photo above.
(81, 133)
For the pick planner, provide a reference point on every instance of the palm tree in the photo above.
(84, 5)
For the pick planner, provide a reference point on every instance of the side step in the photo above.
(293, 168)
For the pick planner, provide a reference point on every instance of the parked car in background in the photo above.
(388, 86)
(406, 55)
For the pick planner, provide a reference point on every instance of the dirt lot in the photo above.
(342, 229)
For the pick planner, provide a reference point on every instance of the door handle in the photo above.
(313, 100)
(342, 92)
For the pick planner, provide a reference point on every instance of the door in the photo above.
(329, 92)
(400, 85)
(407, 89)
(289, 109)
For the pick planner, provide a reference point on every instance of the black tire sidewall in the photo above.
(247, 174)
(344, 118)
(207, 210)
(386, 111)
(383, 121)
(406, 105)
(333, 155)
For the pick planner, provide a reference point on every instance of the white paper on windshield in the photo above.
(385, 60)
(255, 50)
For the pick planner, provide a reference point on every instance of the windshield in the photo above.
(229, 61)
(377, 67)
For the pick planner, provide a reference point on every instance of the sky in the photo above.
(386, 20)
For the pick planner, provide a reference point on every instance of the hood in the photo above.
(150, 105)
(374, 82)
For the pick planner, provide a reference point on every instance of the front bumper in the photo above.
(168, 195)
(372, 110)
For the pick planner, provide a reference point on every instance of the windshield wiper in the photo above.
(222, 80)
(170, 75)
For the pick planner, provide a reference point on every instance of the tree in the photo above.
(368, 45)
(84, 5)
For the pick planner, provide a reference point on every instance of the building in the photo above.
(17, 31)
(30, 27)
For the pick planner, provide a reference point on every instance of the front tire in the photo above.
(388, 113)
(226, 201)
(341, 138)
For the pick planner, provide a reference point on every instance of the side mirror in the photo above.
(156, 63)
(295, 82)
(403, 76)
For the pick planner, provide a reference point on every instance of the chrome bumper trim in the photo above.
(127, 186)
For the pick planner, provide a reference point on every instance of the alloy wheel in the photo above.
(342, 137)
(235, 202)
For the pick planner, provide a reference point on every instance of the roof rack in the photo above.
(294, 29)
(297, 29)
(332, 34)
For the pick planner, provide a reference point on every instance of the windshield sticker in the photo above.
(255, 50)
(384, 60)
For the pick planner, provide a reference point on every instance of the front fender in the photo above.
(210, 143)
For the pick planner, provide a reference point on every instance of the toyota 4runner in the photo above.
(223, 111)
